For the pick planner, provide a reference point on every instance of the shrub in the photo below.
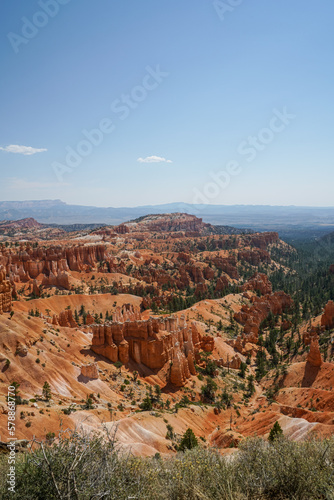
(242, 369)
(211, 368)
(77, 465)
(184, 402)
(170, 432)
(47, 391)
(88, 403)
(188, 441)
(208, 390)
(275, 432)
(50, 437)
(146, 405)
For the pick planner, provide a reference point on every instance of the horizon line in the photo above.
(167, 203)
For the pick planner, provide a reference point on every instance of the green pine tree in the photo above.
(188, 440)
(275, 432)
(46, 391)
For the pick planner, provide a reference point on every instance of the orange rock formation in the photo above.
(314, 356)
(252, 316)
(28, 262)
(65, 319)
(158, 343)
(172, 222)
(90, 371)
(5, 292)
(259, 282)
(327, 319)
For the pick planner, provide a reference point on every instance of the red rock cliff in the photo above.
(165, 344)
(27, 262)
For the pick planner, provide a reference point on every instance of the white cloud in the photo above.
(153, 159)
(22, 150)
(16, 183)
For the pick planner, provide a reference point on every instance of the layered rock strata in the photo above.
(28, 262)
(165, 344)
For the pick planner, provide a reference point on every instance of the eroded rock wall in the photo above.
(157, 343)
(27, 262)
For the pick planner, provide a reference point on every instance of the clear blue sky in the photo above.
(226, 75)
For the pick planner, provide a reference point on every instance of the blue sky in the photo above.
(202, 86)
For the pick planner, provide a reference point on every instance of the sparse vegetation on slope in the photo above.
(82, 467)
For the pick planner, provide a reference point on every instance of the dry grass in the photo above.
(84, 467)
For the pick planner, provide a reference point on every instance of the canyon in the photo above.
(137, 318)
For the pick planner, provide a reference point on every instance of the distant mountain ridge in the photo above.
(320, 220)
(176, 222)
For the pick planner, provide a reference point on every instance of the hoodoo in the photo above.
(314, 356)
(327, 319)
(5, 292)
(165, 344)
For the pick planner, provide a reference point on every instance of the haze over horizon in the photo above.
(174, 102)
(167, 203)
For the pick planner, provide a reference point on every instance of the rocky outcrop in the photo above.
(179, 370)
(221, 284)
(5, 292)
(254, 257)
(162, 344)
(21, 349)
(65, 319)
(184, 279)
(327, 319)
(314, 356)
(184, 257)
(258, 283)
(262, 240)
(166, 222)
(121, 229)
(227, 265)
(286, 325)
(207, 343)
(90, 319)
(90, 371)
(35, 289)
(251, 316)
(310, 334)
(10, 227)
(234, 362)
(195, 273)
(201, 289)
(209, 273)
(28, 262)
(61, 280)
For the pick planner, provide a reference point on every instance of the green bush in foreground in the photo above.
(85, 467)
